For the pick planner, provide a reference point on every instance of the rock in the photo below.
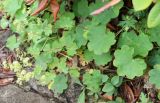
(44, 91)
(13, 94)
(73, 91)
(4, 34)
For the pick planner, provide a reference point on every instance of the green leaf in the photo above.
(107, 15)
(128, 22)
(153, 17)
(80, 8)
(33, 7)
(79, 36)
(54, 62)
(108, 88)
(43, 59)
(11, 6)
(66, 21)
(62, 66)
(118, 100)
(12, 42)
(60, 84)
(93, 80)
(34, 31)
(46, 78)
(71, 49)
(100, 41)
(143, 98)
(154, 76)
(4, 23)
(47, 28)
(99, 59)
(74, 73)
(137, 42)
(116, 81)
(19, 26)
(68, 42)
(154, 34)
(154, 57)
(37, 71)
(81, 98)
(126, 65)
(21, 14)
(141, 4)
(34, 50)
(102, 59)
(105, 78)
(56, 46)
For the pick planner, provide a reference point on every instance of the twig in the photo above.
(65, 56)
(2, 48)
(44, 44)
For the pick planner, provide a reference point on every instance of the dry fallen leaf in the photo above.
(43, 4)
(105, 7)
(128, 93)
(55, 8)
(29, 2)
(6, 81)
(107, 97)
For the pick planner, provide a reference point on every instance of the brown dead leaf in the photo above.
(111, 27)
(72, 62)
(10, 58)
(29, 2)
(6, 81)
(128, 93)
(105, 7)
(107, 97)
(43, 4)
(55, 8)
(137, 86)
(6, 73)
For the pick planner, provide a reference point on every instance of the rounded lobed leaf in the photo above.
(153, 17)
(126, 64)
(154, 76)
(141, 4)
(137, 42)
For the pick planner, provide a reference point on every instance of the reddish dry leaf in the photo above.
(43, 4)
(6, 81)
(6, 73)
(107, 97)
(72, 61)
(29, 2)
(105, 7)
(10, 58)
(55, 8)
(137, 86)
(111, 27)
(2, 76)
(128, 94)
(69, 63)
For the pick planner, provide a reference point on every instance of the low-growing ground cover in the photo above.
(108, 48)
